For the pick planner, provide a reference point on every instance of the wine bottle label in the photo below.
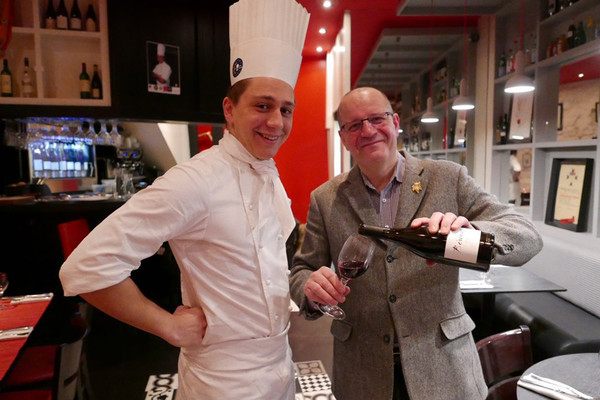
(463, 245)
(50, 23)
(62, 22)
(95, 93)
(6, 84)
(90, 25)
(84, 85)
(38, 164)
(76, 24)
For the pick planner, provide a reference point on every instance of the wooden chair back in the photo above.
(504, 357)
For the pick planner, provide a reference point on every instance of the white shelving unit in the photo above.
(570, 259)
(55, 56)
(438, 135)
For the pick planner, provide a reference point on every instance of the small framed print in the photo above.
(520, 117)
(569, 193)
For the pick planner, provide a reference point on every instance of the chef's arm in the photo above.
(125, 302)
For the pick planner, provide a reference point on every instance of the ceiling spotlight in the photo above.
(580, 75)
(327, 4)
(319, 49)
(322, 31)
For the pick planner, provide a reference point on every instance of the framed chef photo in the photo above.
(569, 193)
(520, 117)
(163, 71)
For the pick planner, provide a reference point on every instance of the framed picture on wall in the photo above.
(520, 117)
(162, 62)
(569, 193)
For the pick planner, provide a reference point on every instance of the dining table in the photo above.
(17, 315)
(580, 371)
(501, 279)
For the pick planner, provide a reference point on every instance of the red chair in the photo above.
(504, 357)
(71, 234)
(50, 372)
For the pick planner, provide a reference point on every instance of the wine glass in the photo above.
(3, 286)
(353, 261)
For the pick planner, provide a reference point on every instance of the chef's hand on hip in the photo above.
(324, 286)
(188, 326)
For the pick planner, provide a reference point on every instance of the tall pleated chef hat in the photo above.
(160, 49)
(266, 39)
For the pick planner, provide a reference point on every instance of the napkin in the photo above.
(15, 333)
(475, 285)
(551, 388)
(30, 298)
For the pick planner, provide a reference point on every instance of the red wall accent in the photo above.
(302, 160)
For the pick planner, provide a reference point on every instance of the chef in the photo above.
(226, 217)
(162, 71)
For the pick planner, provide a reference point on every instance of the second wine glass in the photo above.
(353, 261)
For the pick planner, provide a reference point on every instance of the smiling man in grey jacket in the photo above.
(406, 332)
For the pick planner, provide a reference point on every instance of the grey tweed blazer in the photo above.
(401, 295)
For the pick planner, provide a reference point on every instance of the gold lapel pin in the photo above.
(416, 187)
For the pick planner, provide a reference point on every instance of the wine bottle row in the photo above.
(88, 88)
(59, 18)
(61, 160)
(576, 35)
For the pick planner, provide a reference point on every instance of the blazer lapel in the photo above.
(413, 189)
(356, 193)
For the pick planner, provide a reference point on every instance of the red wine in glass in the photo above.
(353, 261)
(352, 269)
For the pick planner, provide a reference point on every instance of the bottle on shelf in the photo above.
(502, 65)
(590, 34)
(50, 16)
(466, 248)
(6, 80)
(90, 19)
(504, 129)
(552, 7)
(571, 36)
(75, 17)
(62, 17)
(579, 37)
(533, 49)
(84, 83)
(96, 84)
(26, 82)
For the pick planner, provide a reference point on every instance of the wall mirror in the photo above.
(579, 100)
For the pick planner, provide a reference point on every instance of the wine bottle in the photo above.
(571, 36)
(26, 83)
(96, 84)
(552, 7)
(62, 17)
(502, 66)
(90, 19)
(6, 80)
(75, 17)
(50, 17)
(84, 83)
(467, 248)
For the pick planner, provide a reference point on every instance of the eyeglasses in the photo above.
(375, 120)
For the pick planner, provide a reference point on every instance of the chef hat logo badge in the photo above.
(238, 64)
(266, 38)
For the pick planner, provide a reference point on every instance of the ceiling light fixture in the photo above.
(319, 49)
(520, 83)
(327, 4)
(322, 31)
(429, 117)
(463, 101)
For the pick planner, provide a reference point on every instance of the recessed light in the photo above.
(580, 75)
(327, 4)
(319, 49)
(322, 31)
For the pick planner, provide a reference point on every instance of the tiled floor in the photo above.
(121, 358)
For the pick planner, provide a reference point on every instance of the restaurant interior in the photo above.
(67, 162)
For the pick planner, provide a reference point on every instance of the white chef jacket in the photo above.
(217, 213)
(164, 70)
